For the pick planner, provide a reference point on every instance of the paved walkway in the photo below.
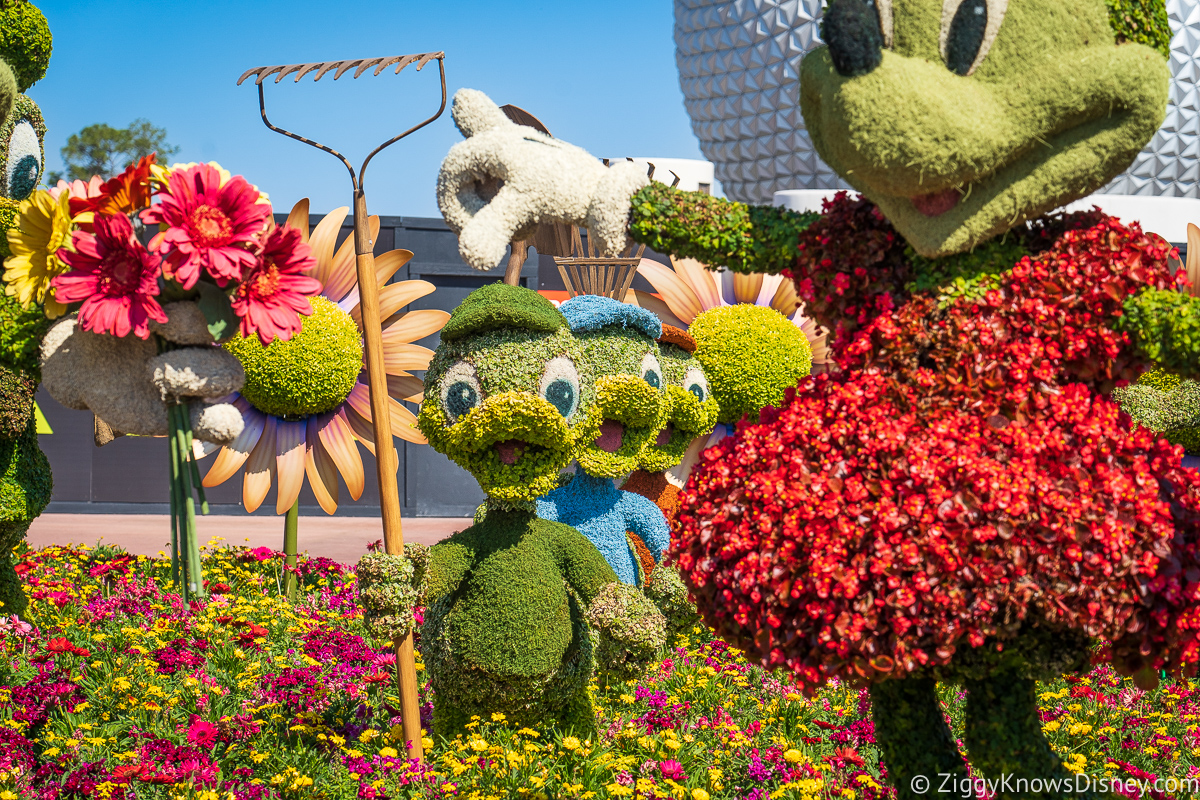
(343, 539)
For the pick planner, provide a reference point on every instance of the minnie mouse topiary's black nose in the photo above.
(851, 29)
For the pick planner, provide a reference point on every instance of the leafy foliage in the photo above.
(1142, 21)
(716, 231)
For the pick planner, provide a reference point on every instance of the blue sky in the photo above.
(600, 75)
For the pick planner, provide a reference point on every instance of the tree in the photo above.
(103, 150)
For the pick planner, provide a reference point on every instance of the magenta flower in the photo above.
(201, 733)
(273, 295)
(209, 226)
(672, 770)
(114, 276)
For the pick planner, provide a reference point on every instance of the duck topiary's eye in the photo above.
(460, 391)
(695, 383)
(24, 164)
(560, 386)
(651, 371)
(968, 29)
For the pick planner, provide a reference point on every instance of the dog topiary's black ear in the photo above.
(851, 29)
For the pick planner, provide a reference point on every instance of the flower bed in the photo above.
(114, 690)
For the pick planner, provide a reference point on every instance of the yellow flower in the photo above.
(43, 226)
(699, 794)
(793, 756)
(570, 743)
(498, 717)
(388, 752)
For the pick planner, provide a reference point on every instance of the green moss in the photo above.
(1165, 403)
(716, 231)
(389, 588)
(499, 306)
(21, 332)
(502, 632)
(752, 355)
(311, 373)
(25, 41)
(967, 275)
(913, 735)
(16, 402)
(25, 488)
(1141, 21)
(8, 90)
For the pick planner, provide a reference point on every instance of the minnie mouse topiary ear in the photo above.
(25, 42)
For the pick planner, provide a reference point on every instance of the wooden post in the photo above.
(385, 457)
(516, 260)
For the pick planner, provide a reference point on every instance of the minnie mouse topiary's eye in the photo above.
(651, 371)
(696, 384)
(24, 164)
(560, 386)
(968, 29)
(460, 391)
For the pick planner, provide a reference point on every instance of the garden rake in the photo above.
(385, 453)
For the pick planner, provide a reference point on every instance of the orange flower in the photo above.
(123, 194)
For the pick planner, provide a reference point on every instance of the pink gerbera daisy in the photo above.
(114, 276)
(209, 226)
(274, 293)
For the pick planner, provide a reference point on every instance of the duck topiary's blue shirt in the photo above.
(589, 312)
(603, 513)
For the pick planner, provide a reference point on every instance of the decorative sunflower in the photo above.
(305, 401)
(689, 288)
(43, 226)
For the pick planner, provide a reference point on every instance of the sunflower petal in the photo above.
(361, 426)
(403, 357)
(785, 299)
(406, 387)
(298, 219)
(337, 437)
(702, 280)
(342, 278)
(289, 463)
(322, 474)
(413, 325)
(653, 304)
(322, 240)
(234, 454)
(404, 423)
(679, 296)
(747, 287)
(393, 297)
(260, 468)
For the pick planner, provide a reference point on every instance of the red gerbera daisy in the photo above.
(273, 295)
(114, 276)
(208, 225)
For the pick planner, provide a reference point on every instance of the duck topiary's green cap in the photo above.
(25, 41)
(499, 306)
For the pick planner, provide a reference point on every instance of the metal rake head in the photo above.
(340, 68)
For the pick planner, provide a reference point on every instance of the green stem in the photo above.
(191, 459)
(290, 525)
(195, 574)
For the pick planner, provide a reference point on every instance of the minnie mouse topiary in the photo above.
(959, 499)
